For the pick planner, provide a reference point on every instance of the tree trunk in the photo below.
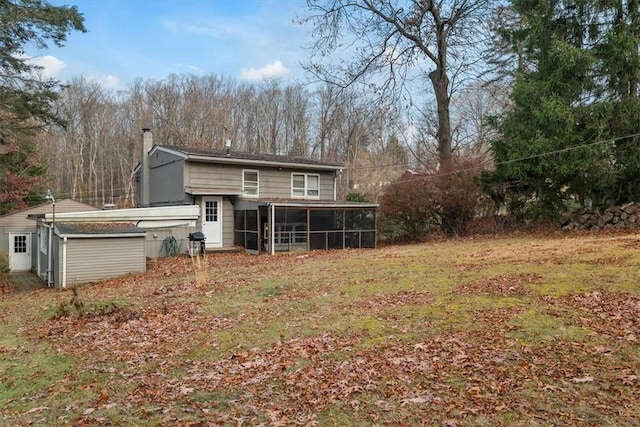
(440, 83)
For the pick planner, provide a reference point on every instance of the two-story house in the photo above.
(264, 203)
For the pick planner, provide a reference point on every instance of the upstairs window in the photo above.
(305, 185)
(250, 183)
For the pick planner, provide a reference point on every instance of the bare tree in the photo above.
(395, 44)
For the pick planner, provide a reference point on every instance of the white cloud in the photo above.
(106, 81)
(109, 81)
(192, 68)
(51, 66)
(275, 69)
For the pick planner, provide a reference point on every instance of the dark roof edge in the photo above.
(199, 154)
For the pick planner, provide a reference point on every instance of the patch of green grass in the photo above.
(534, 329)
(272, 287)
(339, 414)
(28, 376)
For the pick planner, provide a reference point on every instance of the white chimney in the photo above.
(145, 187)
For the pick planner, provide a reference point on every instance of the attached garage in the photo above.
(88, 252)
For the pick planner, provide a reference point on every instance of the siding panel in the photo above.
(273, 183)
(89, 259)
(167, 183)
(218, 177)
(18, 223)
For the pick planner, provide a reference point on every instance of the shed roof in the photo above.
(98, 229)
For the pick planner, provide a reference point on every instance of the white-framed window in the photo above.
(43, 234)
(250, 183)
(305, 185)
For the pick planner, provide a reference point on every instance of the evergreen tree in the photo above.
(565, 139)
(25, 96)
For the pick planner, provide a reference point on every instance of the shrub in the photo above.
(356, 197)
(434, 201)
(4, 264)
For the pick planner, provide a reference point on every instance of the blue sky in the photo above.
(127, 39)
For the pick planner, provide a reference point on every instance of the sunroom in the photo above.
(282, 226)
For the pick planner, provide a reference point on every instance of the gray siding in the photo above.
(155, 240)
(92, 259)
(276, 184)
(223, 178)
(161, 158)
(227, 222)
(18, 223)
(167, 182)
(273, 183)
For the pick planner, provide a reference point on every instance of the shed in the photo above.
(88, 252)
(17, 232)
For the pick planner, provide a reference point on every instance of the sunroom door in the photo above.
(212, 221)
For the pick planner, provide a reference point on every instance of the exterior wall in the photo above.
(93, 259)
(155, 247)
(19, 223)
(42, 255)
(167, 179)
(223, 178)
(227, 222)
(273, 183)
(276, 184)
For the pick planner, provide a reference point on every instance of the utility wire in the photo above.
(505, 162)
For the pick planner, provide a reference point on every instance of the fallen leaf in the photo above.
(585, 379)
(38, 409)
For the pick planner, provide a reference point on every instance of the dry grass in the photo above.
(511, 331)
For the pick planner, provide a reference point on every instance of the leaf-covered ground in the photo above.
(512, 331)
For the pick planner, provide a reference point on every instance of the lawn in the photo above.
(524, 330)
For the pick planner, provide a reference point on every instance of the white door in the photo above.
(212, 221)
(19, 251)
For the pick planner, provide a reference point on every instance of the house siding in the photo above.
(221, 178)
(93, 259)
(167, 173)
(276, 184)
(156, 237)
(227, 222)
(19, 223)
(273, 183)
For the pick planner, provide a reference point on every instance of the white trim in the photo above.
(209, 242)
(272, 232)
(257, 187)
(64, 262)
(181, 212)
(101, 236)
(306, 188)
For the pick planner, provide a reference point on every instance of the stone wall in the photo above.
(619, 217)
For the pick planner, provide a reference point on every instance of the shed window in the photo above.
(20, 244)
(250, 183)
(305, 185)
(43, 239)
